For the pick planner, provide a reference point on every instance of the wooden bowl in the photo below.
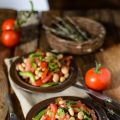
(67, 46)
(30, 88)
(100, 113)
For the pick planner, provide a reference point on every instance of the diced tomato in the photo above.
(38, 83)
(43, 64)
(44, 74)
(54, 110)
(48, 78)
(28, 66)
(45, 117)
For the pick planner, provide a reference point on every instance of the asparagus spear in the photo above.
(61, 33)
(65, 24)
(72, 28)
(83, 34)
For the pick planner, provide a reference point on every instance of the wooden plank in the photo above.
(4, 52)
(83, 4)
(3, 80)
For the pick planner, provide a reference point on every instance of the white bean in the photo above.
(55, 77)
(72, 118)
(23, 64)
(25, 60)
(38, 63)
(36, 72)
(71, 111)
(20, 67)
(62, 79)
(66, 75)
(36, 77)
(64, 70)
(48, 54)
(61, 102)
(80, 115)
(60, 56)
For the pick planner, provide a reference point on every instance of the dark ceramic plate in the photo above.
(18, 80)
(100, 113)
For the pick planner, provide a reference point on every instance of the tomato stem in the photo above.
(97, 68)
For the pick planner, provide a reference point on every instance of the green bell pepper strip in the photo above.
(60, 112)
(39, 115)
(53, 66)
(49, 84)
(29, 75)
(50, 58)
(32, 57)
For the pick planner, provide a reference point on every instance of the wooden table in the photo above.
(108, 55)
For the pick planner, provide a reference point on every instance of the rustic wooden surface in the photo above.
(83, 4)
(108, 55)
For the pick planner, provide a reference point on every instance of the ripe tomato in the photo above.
(38, 83)
(54, 110)
(43, 64)
(10, 38)
(98, 78)
(8, 24)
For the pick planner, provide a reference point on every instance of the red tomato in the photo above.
(8, 24)
(43, 64)
(45, 117)
(54, 110)
(10, 38)
(47, 78)
(44, 74)
(98, 80)
(38, 83)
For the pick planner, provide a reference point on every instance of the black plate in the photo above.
(19, 81)
(100, 113)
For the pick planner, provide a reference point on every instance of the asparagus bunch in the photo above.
(67, 28)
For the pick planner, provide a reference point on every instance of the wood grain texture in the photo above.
(4, 52)
(83, 4)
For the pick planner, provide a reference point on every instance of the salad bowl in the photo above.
(48, 88)
(99, 113)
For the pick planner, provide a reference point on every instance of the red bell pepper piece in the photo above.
(47, 78)
(54, 110)
(43, 64)
(44, 74)
(38, 83)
